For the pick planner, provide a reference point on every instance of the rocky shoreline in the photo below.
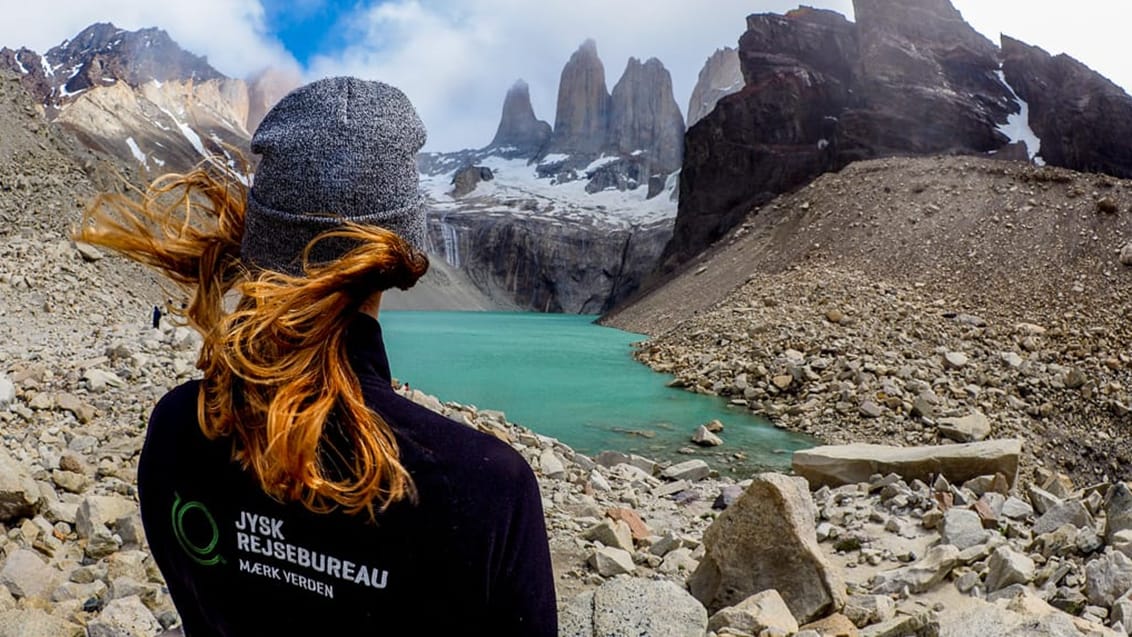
(848, 358)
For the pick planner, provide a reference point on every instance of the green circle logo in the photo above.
(202, 550)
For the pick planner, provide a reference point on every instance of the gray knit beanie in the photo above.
(339, 149)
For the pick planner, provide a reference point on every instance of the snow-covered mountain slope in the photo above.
(516, 188)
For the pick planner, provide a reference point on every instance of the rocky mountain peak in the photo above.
(101, 55)
(582, 119)
(719, 77)
(520, 132)
(644, 117)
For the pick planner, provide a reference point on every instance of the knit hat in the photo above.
(336, 150)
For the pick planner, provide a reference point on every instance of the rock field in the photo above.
(639, 548)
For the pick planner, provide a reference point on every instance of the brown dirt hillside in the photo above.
(833, 309)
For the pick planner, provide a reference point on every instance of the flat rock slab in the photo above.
(628, 607)
(837, 465)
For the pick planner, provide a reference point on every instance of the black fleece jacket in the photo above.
(470, 557)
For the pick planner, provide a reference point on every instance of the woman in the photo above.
(291, 490)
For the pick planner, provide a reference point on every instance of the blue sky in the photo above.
(457, 58)
(309, 27)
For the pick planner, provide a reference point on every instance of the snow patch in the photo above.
(1017, 126)
(188, 132)
(518, 190)
(598, 163)
(138, 154)
(63, 92)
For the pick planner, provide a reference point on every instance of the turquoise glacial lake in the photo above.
(566, 377)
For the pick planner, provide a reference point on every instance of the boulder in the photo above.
(863, 610)
(19, 495)
(629, 607)
(25, 574)
(851, 464)
(613, 533)
(609, 561)
(97, 511)
(1118, 510)
(34, 622)
(921, 576)
(963, 528)
(836, 625)
(766, 540)
(705, 438)
(1021, 615)
(124, 617)
(691, 470)
(1007, 566)
(550, 465)
(759, 612)
(971, 428)
(7, 391)
(1071, 512)
(1107, 578)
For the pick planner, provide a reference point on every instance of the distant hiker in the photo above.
(156, 317)
(291, 490)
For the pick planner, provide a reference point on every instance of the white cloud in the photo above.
(456, 59)
(230, 33)
(1092, 31)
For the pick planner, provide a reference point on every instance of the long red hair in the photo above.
(276, 371)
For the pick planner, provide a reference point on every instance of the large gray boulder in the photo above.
(19, 495)
(1118, 510)
(836, 465)
(25, 574)
(921, 576)
(766, 540)
(1107, 578)
(628, 607)
(36, 623)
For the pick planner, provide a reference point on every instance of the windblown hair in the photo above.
(277, 378)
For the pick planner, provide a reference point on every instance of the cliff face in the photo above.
(1082, 119)
(520, 132)
(909, 78)
(645, 116)
(581, 122)
(768, 137)
(719, 78)
(547, 266)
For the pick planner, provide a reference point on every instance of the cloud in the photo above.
(231, 33)
(456, 59)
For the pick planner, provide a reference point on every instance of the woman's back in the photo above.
(469, 555)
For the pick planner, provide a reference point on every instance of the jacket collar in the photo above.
(367, 349)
